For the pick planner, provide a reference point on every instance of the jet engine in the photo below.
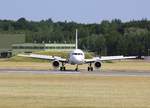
(56, 64)
(97, 65)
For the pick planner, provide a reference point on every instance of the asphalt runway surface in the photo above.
(82, 72)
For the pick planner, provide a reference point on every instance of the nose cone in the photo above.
(77, 60)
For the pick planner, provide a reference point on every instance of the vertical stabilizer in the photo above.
(76, 38)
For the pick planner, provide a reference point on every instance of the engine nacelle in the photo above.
(97, 65)
(56, 64)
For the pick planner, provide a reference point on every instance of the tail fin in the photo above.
(76, 38)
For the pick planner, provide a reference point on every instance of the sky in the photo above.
(81, 11)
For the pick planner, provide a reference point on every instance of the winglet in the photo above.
(76, 38)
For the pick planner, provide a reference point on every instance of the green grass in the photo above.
(73, 91)
(127, 65)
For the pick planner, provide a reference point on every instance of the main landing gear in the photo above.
(63, 68)
(90, 68)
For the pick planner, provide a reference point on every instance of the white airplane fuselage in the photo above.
(76, 57)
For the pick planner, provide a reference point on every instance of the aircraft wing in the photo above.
(106, 58)
(45, 57)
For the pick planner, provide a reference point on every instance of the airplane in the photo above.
(76, 57)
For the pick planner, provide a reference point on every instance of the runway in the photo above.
(81, 72)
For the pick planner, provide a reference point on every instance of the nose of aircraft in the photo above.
(78, 60)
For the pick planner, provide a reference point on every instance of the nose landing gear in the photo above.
(76, 69)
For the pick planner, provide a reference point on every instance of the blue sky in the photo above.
(83, 11)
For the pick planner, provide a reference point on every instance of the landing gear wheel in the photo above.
(76, 69)
(90, 68)
(62, 68)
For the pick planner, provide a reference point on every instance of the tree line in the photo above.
(106, 38)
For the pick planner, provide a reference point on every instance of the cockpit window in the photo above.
(74, 54)
(77, 54)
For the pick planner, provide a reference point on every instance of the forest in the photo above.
(105, 38)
